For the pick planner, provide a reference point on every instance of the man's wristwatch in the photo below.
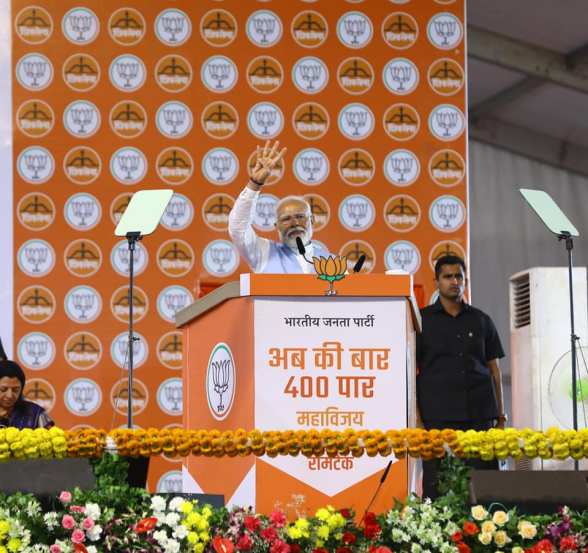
(502, 417)
(256, 181)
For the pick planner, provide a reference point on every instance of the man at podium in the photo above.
(293, 220)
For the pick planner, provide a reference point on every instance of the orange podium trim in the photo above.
(367, 285)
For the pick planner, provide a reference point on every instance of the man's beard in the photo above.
(290, 239)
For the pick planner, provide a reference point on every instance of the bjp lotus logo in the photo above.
(330, 268)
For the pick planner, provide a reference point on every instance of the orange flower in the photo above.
(222, 545)
(470, 528)
(145, 525)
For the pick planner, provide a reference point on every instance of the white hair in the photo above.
(300, 199)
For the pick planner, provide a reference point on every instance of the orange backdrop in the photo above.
(368, 96)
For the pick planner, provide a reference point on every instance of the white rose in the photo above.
(527, 530)
(501, 538)
(479, 513)
(94, 533)
(93, 511)
(91, 549)
(485, 538)
(500, 518)
(488, 527)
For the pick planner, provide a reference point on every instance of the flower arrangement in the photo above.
(500, 530)
(414, 442)
(173, 525)
(75, 528)
(420, 526)
(14, 536)
(160, 526)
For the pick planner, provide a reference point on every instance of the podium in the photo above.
(273, 352)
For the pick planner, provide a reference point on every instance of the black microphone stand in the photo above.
(132, 239)
(564, 235)
(380, 484)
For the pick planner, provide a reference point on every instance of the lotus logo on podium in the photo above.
(220, 381)
(331, 269)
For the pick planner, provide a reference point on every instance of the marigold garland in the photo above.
(413, 442)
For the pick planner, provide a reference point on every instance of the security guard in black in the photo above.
(454, 381)
(459, 384)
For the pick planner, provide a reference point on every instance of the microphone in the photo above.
(382, 480)
(302, 249)
(357, 267)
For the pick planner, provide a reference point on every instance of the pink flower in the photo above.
(68, 522)
(55, 548)
(65, 498)
(77, 509)
(78, 536)
(278, 519)
(88, 523)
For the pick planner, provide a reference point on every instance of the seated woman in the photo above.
(14, 410)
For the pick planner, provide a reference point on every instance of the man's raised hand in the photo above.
(266, 159)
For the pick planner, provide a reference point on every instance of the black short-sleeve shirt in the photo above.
(454, 382)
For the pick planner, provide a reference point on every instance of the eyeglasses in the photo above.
(298, 217)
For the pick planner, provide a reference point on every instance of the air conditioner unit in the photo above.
(541, 369)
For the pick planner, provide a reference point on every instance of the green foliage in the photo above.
(112, 488)
(453, 484)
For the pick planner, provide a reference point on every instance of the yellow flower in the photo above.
(500, 518)
(13, 545)
(294, 533)
(517, 549)
(202, 525)
(485, 538)
(193, 519)
(187, 507)
(192, 537)
(4, 526)
(323, 514)
(12, 434)
(336, 521)
(323, 532)
(527, 530)
(501, 538)
(199, 548)
(302, 524)
(488, 527)
(479, 513)
(3, 549)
